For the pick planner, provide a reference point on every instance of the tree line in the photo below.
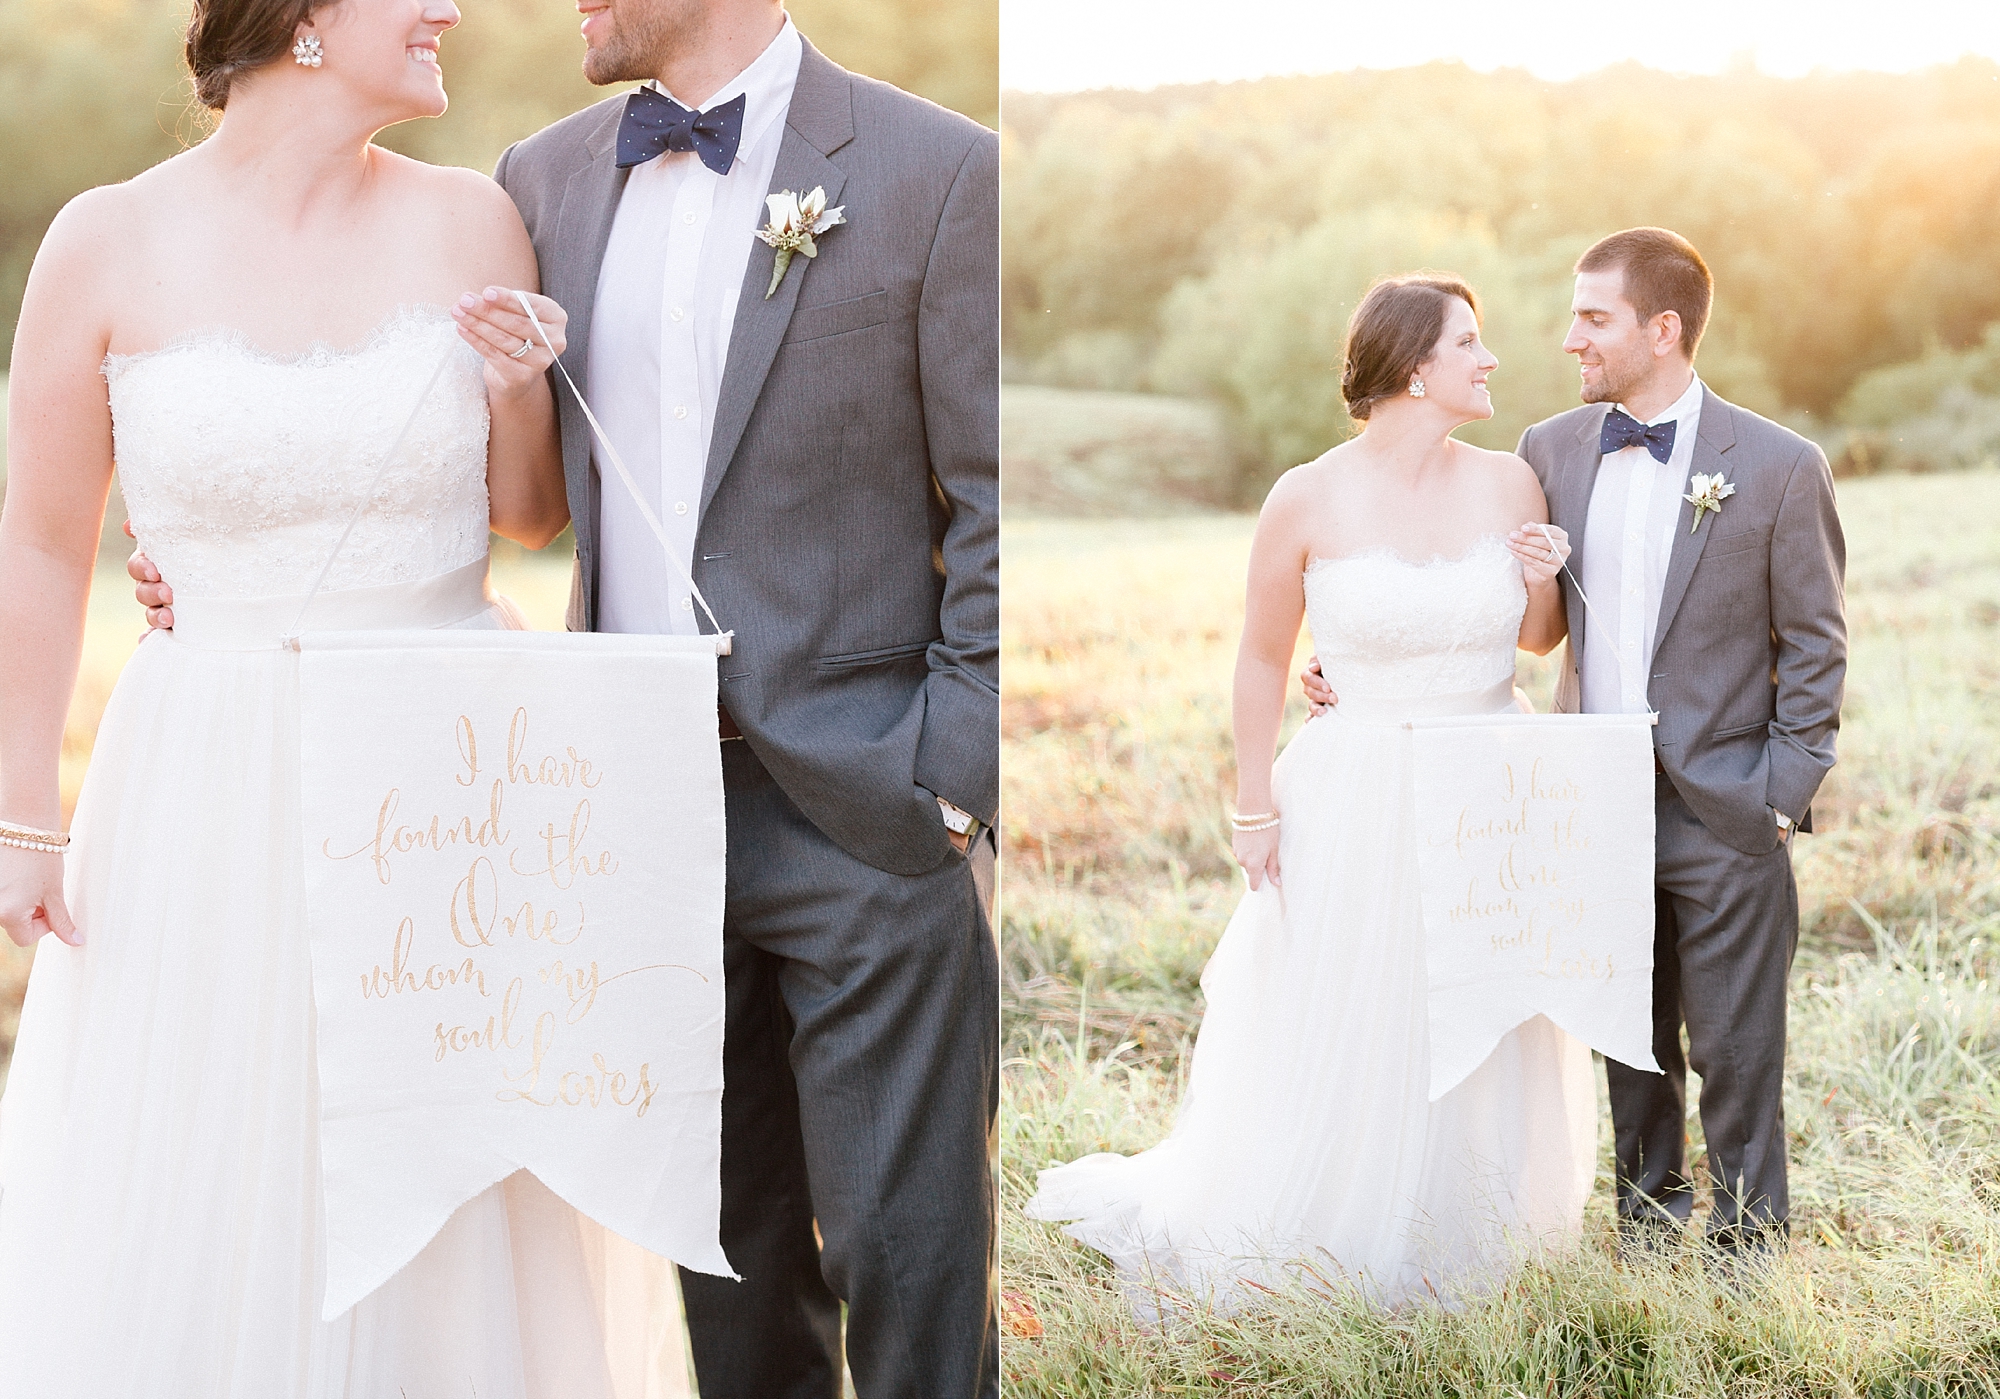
(1213, 239)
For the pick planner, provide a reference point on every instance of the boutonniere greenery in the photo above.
(1708, 494)
(795, 222)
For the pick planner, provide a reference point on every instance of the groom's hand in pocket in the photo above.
(1319, 694)
(153, 593)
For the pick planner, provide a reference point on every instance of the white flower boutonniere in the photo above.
(1708, 494)
(795, 222)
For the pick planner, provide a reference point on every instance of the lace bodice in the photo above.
(1386, 628)
(241, 469)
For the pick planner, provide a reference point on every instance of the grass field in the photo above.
(1072, 452)
(539, 582)
(1119, 637)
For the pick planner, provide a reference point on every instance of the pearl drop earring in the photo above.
(1416, 387)
(306, 52)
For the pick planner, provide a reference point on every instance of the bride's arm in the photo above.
(58, 475)
(524, 472)
(1542, 549)
(1274, 605)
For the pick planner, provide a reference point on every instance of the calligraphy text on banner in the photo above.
(1535, 845)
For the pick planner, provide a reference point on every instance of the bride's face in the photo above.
(1455, 374)
(385, 52)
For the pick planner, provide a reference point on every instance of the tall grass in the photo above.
(1119, 637)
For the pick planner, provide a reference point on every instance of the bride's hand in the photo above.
(31, 898)
(1257, 852)
(1540, 563)
(492, 323)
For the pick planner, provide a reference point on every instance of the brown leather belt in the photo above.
(1659, 769)
(726, 724)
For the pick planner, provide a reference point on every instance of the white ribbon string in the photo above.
(624, 473)
(1624, 670)
(367, 496)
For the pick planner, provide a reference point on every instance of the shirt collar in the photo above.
(766, 85)
(1686, 406)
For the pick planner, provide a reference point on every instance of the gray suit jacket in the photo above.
(1751, 654)
(848, 531)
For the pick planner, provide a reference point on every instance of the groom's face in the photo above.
(631, 40)
(1612, 348)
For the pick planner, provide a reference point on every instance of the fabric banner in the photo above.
(1535, 846)
(514, 882)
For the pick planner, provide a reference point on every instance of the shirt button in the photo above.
(680, 412)
(687, 604)
(680, 507)
(678, 313)
(687, 218)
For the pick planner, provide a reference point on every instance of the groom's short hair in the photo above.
(1663, 272)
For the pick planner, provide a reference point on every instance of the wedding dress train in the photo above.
(1306, 1135)
(160, 1223)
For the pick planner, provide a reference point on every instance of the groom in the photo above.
(824, 444)
(1729, 624)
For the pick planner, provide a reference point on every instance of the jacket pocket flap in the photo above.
(879, 655)
(837, 317)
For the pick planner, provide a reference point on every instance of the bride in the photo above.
(1306, 1139)
(246, 327)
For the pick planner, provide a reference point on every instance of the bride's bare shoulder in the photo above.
(453, 192)
(1513, 478)
(1314, 477)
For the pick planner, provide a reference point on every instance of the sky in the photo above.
(1070, 45)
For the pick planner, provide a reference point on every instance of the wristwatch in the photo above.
(1785, 823)
(958, 821)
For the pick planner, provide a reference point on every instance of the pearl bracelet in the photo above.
(33, 838)
(1269, 823)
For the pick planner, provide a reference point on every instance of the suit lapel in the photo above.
(583, 228)
(819, 122)
(1715, 437)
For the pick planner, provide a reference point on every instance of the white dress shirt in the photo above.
(1628, 540)
(659, 337)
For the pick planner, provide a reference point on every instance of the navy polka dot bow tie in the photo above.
(653, 123)
(1621, 429)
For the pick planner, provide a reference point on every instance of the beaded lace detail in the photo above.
(1386, 628)
(241, 468)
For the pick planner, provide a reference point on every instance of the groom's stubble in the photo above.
(645, 36)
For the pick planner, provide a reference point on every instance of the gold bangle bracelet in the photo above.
(1251, 817)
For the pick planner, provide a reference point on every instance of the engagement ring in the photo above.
(526, 345)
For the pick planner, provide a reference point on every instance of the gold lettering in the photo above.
(468, 750)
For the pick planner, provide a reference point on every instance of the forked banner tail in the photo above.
(514, 880)
(1535, 844)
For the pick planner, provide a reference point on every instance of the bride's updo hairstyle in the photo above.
(1393, 330)
(229, 37)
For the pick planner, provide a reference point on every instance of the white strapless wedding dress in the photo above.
(1306, 1135)
(160, 1222)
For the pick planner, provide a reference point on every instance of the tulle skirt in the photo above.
(1306, 1148)
(160, 1220)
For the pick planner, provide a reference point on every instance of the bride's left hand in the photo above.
(492, 323)
(1539, 562)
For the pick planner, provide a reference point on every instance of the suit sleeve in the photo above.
(1809, 626)
(958, 357)
(500, 170)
